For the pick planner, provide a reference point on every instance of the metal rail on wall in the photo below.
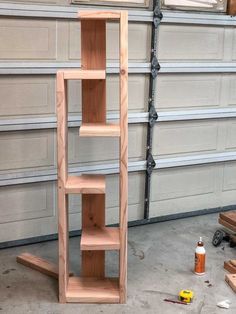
(155, 67)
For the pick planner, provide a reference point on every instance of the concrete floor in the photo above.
(160, 263)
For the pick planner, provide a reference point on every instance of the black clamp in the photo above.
(153, 116)
(155, 67)
(157, 16)
(151, 164)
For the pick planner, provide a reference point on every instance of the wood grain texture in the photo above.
(99, 129)
(231, 7)
(230, 217)
(85, 184)
(231, 281)
(40, 264)
(106, 238)
(93, 216)
(62, 159)
(99, 15)
(84, 74)
(230, 267)
(123, 153)
(93, 57)
(227, 225)
(93, 290)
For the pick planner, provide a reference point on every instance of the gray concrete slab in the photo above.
(160, 263)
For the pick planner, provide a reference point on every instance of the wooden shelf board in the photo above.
(85, 184)
(97, 238)
(99, 15)
(81, 74)
(93, 290)
(99, 129)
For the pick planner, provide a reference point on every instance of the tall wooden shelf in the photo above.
(96, 238)
(93, 286)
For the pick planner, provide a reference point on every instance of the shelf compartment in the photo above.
(100, 238)
(84, 74)
(93, 290)
(99, 129)
(85, 184)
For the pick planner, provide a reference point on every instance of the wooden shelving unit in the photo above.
(96, 238)
(92, 286)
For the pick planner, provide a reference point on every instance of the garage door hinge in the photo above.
(153, 116)
(155, 67)
(157, 16)
(150, 164)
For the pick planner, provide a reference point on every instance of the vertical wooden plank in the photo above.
(93, 215)
(93, 56)
(62, 139)
(123, 153)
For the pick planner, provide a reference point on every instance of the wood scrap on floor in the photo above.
(231, 281)
(230, 266)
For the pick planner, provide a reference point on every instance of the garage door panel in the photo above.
(228, 183)
(229, 177)
(230, 143)
(121, 3)
(183, 189)
(27, 95)
(137, 89)
(84, 150)
(181, 91)
(138, 33)
(40, 1)
(21, 150)
(234, 45)
(25, 202)
(190, 42)
(231, 101)
(27, 39)
(174, 138)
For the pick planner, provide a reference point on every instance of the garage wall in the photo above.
(179, 190)
(35, 48)
(30, 209)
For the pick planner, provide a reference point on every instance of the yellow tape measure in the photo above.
(186, 296)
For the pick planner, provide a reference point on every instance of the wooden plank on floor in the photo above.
(231, 281)
(40, 264)
(230, 267)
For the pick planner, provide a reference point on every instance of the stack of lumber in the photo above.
(230, 266)
(228, 220)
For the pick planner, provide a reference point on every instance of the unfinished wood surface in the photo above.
(227, 224)
(62, 164)
(99, 15)
(93, 57)
(99, 129)
(84, 74)
(231, 281)
(86, 184)
(123, 153)
(106, 238)
(93, 290)
(39, 264)
(231, 7)
(230, 267)
(230, 217)
(93, 216)
(233, 262)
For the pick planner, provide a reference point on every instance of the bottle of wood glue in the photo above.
(200, 258)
